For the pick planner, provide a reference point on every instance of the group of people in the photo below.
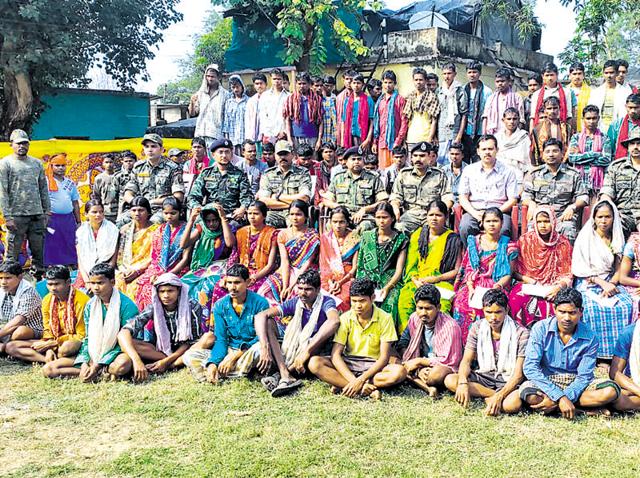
(464, 265)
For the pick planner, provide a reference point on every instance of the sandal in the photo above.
(285, 387)
(270, 382)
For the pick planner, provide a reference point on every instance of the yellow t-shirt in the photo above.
(80, 301)
(365, 342)
(419, 128)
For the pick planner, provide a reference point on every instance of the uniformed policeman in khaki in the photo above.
(357, 189)
(622, 184)
(156, 178)
(224, 184)
(416, 186)
(283, 184)
(558, 185)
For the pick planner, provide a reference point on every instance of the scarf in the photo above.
(171, 250)
(540, 102)
(390, 136)
(96, 249)
(102, 335)
(421, 103)
(634, 356)
(507, 354)
(584, 98)
(293, 107)
(262, 250)
(416, 331)
(596, 145)
(22, 288)
(476, 114)
(544, 261)
(591, 257)
(621, 150)
(58, 159)
(449, 94)
(501, 268)
(494, 117)
(363, 118)
(296, 337)
(69, 320)
(330, 256)
(183, 332)
(193, 165)
(205, 247)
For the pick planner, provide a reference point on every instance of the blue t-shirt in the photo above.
(288, 308)
(62, 199)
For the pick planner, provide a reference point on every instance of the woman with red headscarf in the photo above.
(542, 268)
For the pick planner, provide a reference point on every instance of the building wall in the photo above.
(94, 115)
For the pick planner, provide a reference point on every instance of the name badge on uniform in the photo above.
(143, 175)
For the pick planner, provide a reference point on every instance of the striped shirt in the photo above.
(329, 119)
(233, 122)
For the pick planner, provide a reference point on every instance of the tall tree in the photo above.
(45, 44)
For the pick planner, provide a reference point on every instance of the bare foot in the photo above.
(595, 412)
(49, 356)
(336, 390)
(368, 389)
(376, 395)
(433, 392)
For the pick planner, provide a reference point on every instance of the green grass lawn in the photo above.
(174, 427)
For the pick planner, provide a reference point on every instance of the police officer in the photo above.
(622, 184)
(283, 184)
(222, 183)
(559, 185)
(357, 189)
(416, 186)
(156, 178)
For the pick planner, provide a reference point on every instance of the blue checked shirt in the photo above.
(233, 121)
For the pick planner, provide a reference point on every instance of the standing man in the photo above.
(127, 161)
(208, 105)
(500, 101)
(283, 184)
(251, 166)
(421, 111)
(329, 116)
(452, 121)
(514, 144)
(622, 129)
(222, 183)
(454, 169)
(580, 89)
(389, 124)
(552, 87)
(60, 236)
(252, 114)
(272, 127)
(477, 95)
(609, 97)
(303, 114)
(234, 114)
(623, 69)
(534, 83)
(156, 178)
(103, 189)
(342, 100)
(24, 200)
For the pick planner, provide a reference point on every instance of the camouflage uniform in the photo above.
(622, 184)
(274, 182)
(230, 189)
(358, 192)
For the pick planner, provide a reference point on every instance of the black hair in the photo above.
(633, 98)
(11, 267)
(552, 142)
(128, 154)
(373, 82)
(431, 76)
(249, 142)
(326, 145)
(351, 73)
(622, 62)
(371, 159)
(91, 203)
(316, 79)
(386, 207)
(329, 80)
(551, 100)
(259, 77)
(495, 296)
(344, 211)
(535, 76)
(199, 140)
(235, 80)
(428, 293)
(504, 73)
(103, 269)
(550, 68)
(511, 110)
(423, 239)
(449, 66)
(362, 287)
(568, 295)
(300, 204)
(610, 64)
(358, 77)
(487, 137)
(303, 76)
(111, 156)
(304, 150)
(141, 201)
(172, 202)
(310, 277)
(277, 72)
(492, 211)
(238, 270)
(268, 147)
(577, 66)
(419, 71)
(261, 206)
(457, 146)
(340, 151)
(474, 65)
(390, 75)
(399, 151)
(57, 272)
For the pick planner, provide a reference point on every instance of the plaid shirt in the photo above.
(329, 119)
(30, 307)
(233, 121)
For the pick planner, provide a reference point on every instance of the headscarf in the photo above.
(58, 159)
(544, 261)
(591, 256)
(206, 245)
(204, 87)
(183, 332)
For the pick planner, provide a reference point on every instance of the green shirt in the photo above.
(231, 189)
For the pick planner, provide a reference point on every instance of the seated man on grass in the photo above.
(169, 326)
(497, 344)
(431, 345)
(625, 368)
(236, 349)
(314, 321)
(359, 363)
(560, 361)
(20, 306)
(62, 317)
(104, 315)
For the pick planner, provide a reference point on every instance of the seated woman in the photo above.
(209, 233)
(544, 258)
(134, 251)
(434, 257)
(96, 242)
(338, 254)
(298, 246)
(487, 263)
(596, 265)
(382, 255)
(167, 254)
(630, 271)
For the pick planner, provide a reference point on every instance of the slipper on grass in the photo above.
(285, 387)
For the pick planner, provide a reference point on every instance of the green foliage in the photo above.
(519, 13)
(210, 47)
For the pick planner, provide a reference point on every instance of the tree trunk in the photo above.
(17, 103)
(304, 63)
